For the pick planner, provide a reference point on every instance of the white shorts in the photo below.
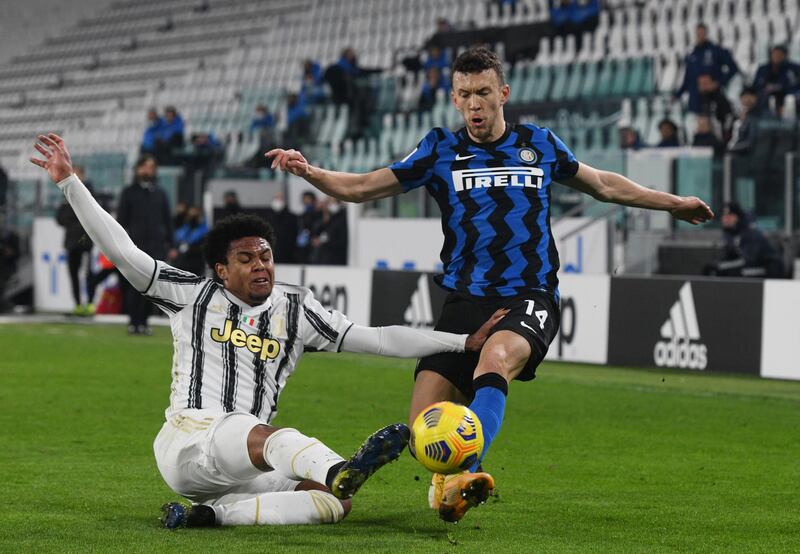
(202, 455)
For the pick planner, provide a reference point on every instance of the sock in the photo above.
(298, 456)
(334, 469)
(489, 405)
(281, 508)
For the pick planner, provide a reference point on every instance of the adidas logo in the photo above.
(682, 333)
(419, 313)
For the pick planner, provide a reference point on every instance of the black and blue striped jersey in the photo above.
(495, 205)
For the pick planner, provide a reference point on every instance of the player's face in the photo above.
(249, 272)
(479, 97)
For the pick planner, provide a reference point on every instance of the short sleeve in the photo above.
(416, 169)
(566, 163)
(172, 289)
(322, 329)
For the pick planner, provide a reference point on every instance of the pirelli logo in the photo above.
(468, 179)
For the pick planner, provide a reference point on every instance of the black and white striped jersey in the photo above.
(231, 356)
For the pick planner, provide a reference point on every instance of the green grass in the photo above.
(590, 459)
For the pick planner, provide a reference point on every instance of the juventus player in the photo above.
(237, 339)
(491, 180)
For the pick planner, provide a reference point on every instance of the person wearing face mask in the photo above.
(144, 212)
(308, 222)
(285, 224)
(329, 242)
(189, 239)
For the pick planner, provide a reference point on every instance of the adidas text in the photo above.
(680, 353)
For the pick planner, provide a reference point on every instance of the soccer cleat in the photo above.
(453, 495)
(382, 447)
(175, 515)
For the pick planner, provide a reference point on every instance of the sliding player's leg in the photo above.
(269, 499)
(213, 458)
(299, 457)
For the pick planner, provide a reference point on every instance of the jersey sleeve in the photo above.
(172, 289)
(323, 330)
(566, 163)
(416, 169)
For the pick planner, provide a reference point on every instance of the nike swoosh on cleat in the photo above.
(459, 157)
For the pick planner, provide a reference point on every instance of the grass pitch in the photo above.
(590, 459)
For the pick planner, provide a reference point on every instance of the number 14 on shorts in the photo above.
(541, 315)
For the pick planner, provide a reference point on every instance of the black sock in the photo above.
(201, 516)
(332, 473)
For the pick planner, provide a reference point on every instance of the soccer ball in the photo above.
(446, 438)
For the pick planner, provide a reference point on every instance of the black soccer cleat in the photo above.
(382, 447)
(175, 515)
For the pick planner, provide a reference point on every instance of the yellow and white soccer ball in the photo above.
(446, 438)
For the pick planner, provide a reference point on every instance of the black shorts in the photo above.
(534, 315)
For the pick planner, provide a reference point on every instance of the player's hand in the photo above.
(475, 340)
(56, 157)
(289, 160)
(693, 210)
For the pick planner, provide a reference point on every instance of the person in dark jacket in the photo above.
(307, 223)
(669, 134)
(189, 239)
(330, 238)
(9, 254)
(78, 247)
(777, 78)
(751, 112)
(747, 251)
(285, 224)
(706, 57)
(704, 135)
(715, 104)
(145, 214)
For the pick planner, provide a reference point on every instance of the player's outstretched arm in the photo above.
(406, 342)
(607, 186)
(348, 187)
(110, 237)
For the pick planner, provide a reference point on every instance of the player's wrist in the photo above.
(63, 181)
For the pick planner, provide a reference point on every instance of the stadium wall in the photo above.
(703, 324)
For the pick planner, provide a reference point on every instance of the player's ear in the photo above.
(221, 270)
(505, 90)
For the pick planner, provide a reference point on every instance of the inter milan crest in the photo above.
(527, 155)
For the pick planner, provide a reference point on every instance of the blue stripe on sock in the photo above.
(490, 406)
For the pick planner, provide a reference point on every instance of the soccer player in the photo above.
(237, 339)
(491, 180)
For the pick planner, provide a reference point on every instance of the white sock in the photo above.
(298, 456)
(282, 508)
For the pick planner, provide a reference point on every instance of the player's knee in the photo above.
(330, 508)
(495, 359)
(230, 446)
(506, 357)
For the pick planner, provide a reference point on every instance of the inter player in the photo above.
(237, 339)
(491, 180)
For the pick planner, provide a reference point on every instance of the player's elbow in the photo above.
(603, 190)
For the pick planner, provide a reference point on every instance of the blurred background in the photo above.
(687, 96)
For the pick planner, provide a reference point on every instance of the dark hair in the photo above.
(736, 209)
(231, 228)
(479, 59)
(749, 90)
(701, 26)
(668, 121)
(143, 159)
(780, 47)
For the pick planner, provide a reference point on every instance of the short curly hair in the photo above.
(476, 60)
(234, 227)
